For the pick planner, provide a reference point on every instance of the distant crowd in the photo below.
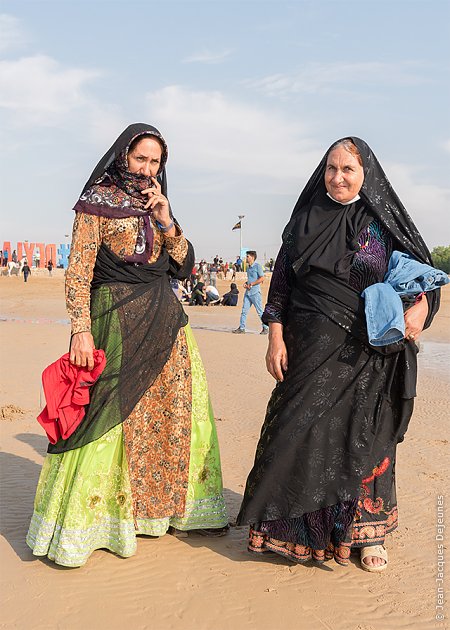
(16, 266)
(200, 289)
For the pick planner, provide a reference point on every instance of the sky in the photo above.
(248, 95)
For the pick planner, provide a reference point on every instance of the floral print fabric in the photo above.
(120, 236)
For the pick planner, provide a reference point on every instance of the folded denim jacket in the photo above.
(405, 277)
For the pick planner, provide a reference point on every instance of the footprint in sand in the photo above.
(10, 412)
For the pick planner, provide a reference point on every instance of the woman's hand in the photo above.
(82, 350)
(157, 202)
(415, 319)
(159, 206)
(276, 356)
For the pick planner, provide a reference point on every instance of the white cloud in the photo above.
(231, 138)
(326, 77)
(427, 204)
(208, 57)
(11, 33)
(446, 146)
(39, 89)
(105, 123)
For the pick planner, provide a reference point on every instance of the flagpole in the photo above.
(241, 216)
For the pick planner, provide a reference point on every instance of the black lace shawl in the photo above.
(135, 320)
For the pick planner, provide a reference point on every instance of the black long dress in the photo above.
(324, 473)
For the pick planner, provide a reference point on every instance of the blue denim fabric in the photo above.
(383, 304)
(248, 301)
(408, 276)
(384, 314)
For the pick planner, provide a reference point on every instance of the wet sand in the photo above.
(196, 583)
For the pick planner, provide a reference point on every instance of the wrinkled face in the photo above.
(145, 158)
(344, 175)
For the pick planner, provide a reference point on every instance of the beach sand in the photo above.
(204, 584)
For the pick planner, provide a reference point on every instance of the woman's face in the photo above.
(145, 158)
(344, 175)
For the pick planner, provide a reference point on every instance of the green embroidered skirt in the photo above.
(84, 498)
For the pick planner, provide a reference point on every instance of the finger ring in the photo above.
(411, 336)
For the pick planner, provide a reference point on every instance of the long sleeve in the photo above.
(83, 253)
(279, 291)
(177, 246)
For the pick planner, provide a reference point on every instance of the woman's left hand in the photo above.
(415, 319)
(157, 202)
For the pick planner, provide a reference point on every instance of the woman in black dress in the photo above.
(323, 480)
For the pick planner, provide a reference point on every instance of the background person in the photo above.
(213, 274)
(252, 296)
(198, 293)
(212, 294)
(26, 272)
(231, 297)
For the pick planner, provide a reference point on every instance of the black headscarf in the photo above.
(111, 163)
(323, 233)
(114, 192)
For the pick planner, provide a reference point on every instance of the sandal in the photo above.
(378, 551)
(212, 531)
(208, 531)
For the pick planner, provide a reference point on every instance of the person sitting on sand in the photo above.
(212, 295)
(198, 293)
(230, 298)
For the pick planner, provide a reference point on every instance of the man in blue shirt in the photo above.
(255, 277)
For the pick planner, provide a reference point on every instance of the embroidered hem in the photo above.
(373, 533)
(72, 547)
(259, 542)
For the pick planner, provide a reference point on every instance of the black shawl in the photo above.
(322, 233)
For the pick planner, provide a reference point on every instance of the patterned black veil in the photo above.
(122, 142)
(316, 216)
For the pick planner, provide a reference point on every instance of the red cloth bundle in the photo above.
(66, 389)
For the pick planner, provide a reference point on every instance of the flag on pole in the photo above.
(237, 226)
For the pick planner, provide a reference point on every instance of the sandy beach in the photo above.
(196, 583)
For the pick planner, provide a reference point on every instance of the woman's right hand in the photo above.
(276, 356)
(82, 350)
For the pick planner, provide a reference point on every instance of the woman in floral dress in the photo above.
(146, 457)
